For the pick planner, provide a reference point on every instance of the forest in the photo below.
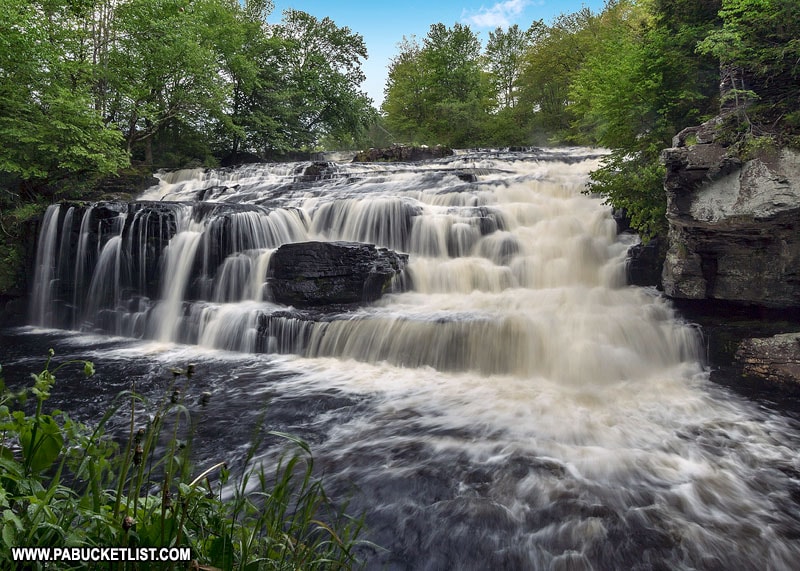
(628, 78)
(91, 87)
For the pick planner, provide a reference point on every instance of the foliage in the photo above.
(13, 236)
(437, 92)
(86, 86)
(504, 53)
(64, 484)
(162, 70)
(405, 105)
(760, 40)
(323, 72)
(48, 126)
(634, 183)
(557, 53)
(635, 91)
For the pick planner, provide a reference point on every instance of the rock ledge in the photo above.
(733, 226)
(773, 359)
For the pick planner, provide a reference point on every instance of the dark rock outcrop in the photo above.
(733, 226)
(318, 170)
(623, 221)
(645, 263)
(239, 158)
(773, 359)
(310, 274)
(399, 153)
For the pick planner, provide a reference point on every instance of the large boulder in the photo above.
(311, 274)
(773, 359)
(733, 225)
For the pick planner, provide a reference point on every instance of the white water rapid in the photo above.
(518, 406)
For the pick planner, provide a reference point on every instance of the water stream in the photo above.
(515, 406)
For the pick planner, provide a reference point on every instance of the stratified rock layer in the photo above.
(310, 274)
(733, 226)
(775, 359)
(402, 153)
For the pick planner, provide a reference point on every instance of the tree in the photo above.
(556, 54)
(503, 60)
(504, 56)
(614, 95)
(250, 57)
(438, 92)
(322, 76)
(641, 84)
(458, 88)
(406, 104)
(760, 40)
(49, 127)
(164, 69)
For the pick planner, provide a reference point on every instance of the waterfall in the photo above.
(42, 295)
(512, 404)
(507, 271)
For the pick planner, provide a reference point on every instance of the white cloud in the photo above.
(501, 14)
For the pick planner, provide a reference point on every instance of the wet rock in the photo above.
(317, 171)
(402, 153)
(773, 359)
(733, 226)
(645, 263)
(623, 221)
(12, 311)
(467, 176)
(308, 274)
(524, 149)
(240, 158)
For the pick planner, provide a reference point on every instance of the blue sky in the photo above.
(383, 23)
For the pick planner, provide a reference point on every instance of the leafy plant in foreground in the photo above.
(64, 484)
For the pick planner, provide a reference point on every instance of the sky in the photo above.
(383, 23)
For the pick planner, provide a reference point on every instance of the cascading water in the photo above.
(517, 407)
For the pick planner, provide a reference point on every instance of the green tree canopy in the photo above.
(87, 84)
(504, 55)
(642, 84)
(322, 77)
(405, 104)
(49, 127)
(438, 92)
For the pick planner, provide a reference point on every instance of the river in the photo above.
(516, 406)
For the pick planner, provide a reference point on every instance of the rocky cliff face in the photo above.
(733, 225)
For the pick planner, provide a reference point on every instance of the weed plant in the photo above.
(66, 484)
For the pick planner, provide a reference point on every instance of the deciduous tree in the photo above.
(49, 127)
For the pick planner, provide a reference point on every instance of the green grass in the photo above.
(66, 484)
